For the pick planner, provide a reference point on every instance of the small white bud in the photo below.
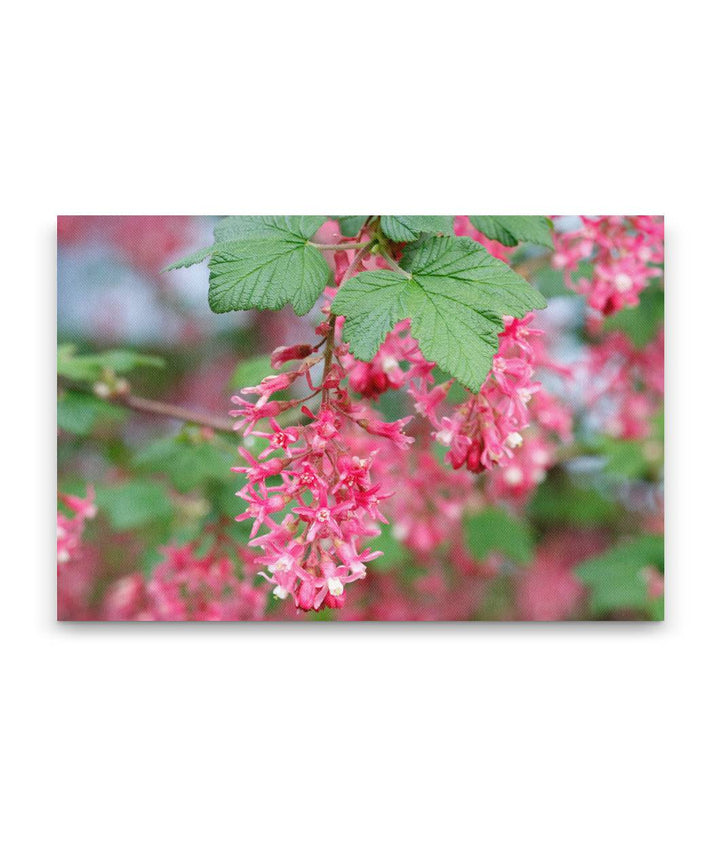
(514, 440)
(335, 587)
(280, 592)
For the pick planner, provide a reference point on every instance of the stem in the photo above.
(329, 348)
(330, 340)
(352, 245)
(354, 264)
(395, 266)
(174, 411)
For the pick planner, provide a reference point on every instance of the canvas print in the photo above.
(360, 418)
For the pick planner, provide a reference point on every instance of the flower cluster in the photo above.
(426, 511)
(625, 253)
(626, 384)
(307, 486)
(484, 431)
(75, 561)
(184, 587)
(70, 529)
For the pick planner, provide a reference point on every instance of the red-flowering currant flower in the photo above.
(483, 431)
(315, 497)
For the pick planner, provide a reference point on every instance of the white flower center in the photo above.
(284, 563)
(444, 437)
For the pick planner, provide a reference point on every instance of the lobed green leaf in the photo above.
(266, 263)
(510, 230)
(404, 228)
(455, 294)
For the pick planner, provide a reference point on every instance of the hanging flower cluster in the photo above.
(625, 253)
(484, 430)
(307, 487)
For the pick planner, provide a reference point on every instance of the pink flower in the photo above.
(70, 529)
(626, 383)
(484, 430)
(285, 353)
(392, 430)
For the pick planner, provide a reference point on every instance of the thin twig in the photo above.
(160, 408)
(174, 411)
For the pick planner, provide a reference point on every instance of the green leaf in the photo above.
(90, 367)
(351, 226)
(616, 578)
(372, 303)
(80, 413)
(455, 293)
(134, 504)
(193, 259)
(640, 322)
(495, 531)
(187, 461)
(510, 230)
(231, 229)
(404, 228)
(269, 265)
(558, 501)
